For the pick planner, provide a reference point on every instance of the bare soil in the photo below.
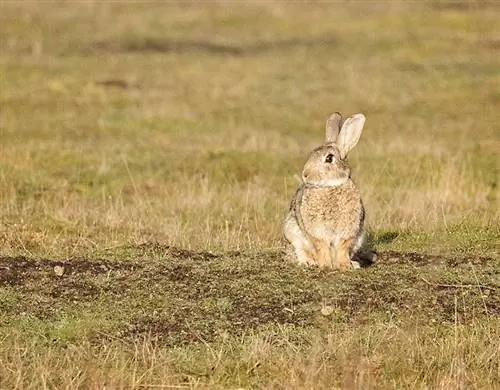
(179, 296)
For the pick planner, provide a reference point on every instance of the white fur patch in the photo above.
(328, 182)
(297, 238)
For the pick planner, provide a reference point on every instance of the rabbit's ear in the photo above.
(350, 133)
(333, 127)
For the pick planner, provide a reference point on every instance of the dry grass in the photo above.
(368, 357)
(187, 124)
(206, 118)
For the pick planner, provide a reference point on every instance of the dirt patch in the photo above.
(463, 6)
(179, 296)
(420, 259)
(15, 270)
(151, 44)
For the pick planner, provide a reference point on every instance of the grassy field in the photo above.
(148, 154)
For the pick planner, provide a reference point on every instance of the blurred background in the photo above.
(188, 123)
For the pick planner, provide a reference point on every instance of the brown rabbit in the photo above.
(324, 225)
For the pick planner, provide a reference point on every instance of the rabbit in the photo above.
(324, 225)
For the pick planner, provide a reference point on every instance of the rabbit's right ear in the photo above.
(350, 133)
(332, 127)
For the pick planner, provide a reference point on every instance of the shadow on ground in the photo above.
(180, 296)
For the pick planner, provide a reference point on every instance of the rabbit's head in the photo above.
(327, 165)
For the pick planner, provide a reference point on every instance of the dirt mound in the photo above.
(180, 296)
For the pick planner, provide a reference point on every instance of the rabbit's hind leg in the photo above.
(304, 252)
(299, 247)
(300, 254)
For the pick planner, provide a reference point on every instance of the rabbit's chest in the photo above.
(331, 212)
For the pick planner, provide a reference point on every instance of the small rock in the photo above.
(59, 270)
(327, 310)
(355, 265)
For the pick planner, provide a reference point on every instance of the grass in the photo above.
(196, 319)
(152, 150)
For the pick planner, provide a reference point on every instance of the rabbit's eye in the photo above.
(329, 158)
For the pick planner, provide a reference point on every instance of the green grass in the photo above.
(163, 316)
(128, 130)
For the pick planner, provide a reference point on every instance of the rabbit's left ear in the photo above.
(333, 127)
(350, 133)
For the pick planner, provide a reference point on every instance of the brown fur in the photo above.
(324, 225)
